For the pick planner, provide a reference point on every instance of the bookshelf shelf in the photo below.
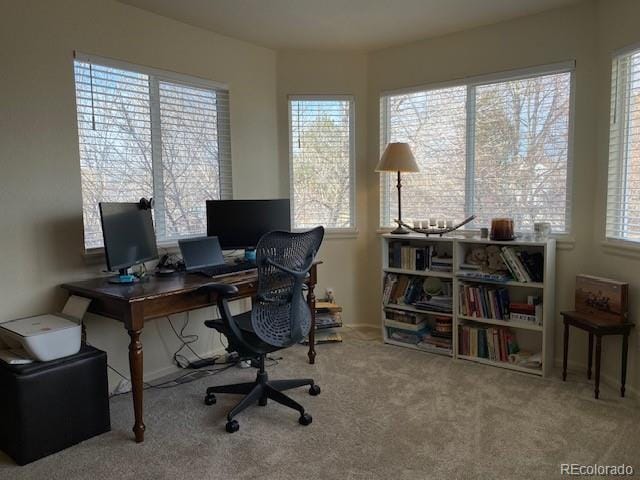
(508, 366)
(504, 323)
(409, 308)
(422, 348)
(422, 273)
(511, 283)
(529, 337)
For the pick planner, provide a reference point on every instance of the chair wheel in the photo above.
(232, 426)
(314, 390)
(210, 399)
(305, 419)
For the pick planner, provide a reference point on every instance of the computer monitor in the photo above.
(241, 223)
(129, 237)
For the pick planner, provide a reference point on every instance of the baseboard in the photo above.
(605, 378)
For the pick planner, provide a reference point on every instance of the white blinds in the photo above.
(623, 196)
(433, 122)
(114, 133)
(143, 134)
(321, 157)
(491, 148)
(521, 140)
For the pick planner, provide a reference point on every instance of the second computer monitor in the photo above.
(241, 223)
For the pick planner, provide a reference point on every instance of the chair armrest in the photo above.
(222, 289)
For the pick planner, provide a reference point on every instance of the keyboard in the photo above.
(228, 268)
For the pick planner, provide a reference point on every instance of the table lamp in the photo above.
(397, 157)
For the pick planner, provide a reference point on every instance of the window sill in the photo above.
(624, 248)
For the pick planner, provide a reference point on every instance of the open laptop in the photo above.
(203, 255)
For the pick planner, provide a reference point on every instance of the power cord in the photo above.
(187, 340)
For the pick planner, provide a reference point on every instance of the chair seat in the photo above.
(243, 320)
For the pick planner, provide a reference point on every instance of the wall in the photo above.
(553, 36)
(344, 256)
(617, 28)
(40, 198)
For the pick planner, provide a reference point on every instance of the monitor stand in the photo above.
(250, 254)
(123, 278)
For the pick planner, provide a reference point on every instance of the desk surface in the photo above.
(154, 286)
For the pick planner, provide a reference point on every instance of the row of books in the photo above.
(421, 258)
(484, 302)
(523, 266)
(492, 343)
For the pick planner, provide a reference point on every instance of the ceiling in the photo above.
(341, 24)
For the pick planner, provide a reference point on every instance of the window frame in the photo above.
(471, 83)
(352, 230)
(155, 77)
(618, 123)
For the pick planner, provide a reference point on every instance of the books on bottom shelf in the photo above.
(497, 344)
(325, 336)
(420, 332)
(328, 317)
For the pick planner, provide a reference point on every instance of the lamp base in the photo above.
(400, 230)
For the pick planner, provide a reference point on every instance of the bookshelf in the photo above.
(507, 329)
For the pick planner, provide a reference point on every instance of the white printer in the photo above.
(44, 337)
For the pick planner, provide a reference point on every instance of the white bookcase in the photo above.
(530, 336)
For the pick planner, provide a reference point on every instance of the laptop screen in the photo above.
(200, 252)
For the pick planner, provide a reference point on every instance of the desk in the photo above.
(159, 297)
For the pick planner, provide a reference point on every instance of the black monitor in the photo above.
(129, 237)
(240, 223)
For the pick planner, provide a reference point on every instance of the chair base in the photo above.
(260, 391)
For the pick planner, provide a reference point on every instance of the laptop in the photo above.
(204, 255)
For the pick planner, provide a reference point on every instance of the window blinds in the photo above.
(493, 148)
(321, 153)
(145, 134)
(623, 193)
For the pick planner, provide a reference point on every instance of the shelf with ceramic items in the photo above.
(429, 310)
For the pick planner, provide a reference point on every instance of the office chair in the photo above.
(280, 318)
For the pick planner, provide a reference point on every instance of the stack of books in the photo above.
(484, 302)
(442, 263)
(441, 335)
(491, 343)
(328, 318)
(404, 320)
(436, 303)
(530, 312)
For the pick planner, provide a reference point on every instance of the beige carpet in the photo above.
(384, 413)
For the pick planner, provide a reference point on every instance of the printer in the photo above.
(44, 337)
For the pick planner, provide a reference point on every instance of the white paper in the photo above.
(76, 307)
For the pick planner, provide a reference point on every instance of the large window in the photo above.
(321, 162)
(623, 198)
(146, 133)
(492, 147)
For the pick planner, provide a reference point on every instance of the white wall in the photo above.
(617, 27)
(40, 197)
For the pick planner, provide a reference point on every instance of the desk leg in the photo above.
(566, 351)
(137, 386)
(598, 354)
(590, 359)
(311, 301)
(625, 349)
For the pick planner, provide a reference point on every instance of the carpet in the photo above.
(384, 413)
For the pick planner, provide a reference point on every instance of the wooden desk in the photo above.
(159, 297)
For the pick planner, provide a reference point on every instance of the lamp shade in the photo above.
(397, 157)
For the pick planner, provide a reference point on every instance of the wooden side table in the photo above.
(598, 328)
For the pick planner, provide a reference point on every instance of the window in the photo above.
(491, 147)
(146, 133)
(623, 195)
(321, 162)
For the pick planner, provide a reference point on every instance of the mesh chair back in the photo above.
(280, 315)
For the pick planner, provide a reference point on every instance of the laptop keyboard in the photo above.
(227, 268)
